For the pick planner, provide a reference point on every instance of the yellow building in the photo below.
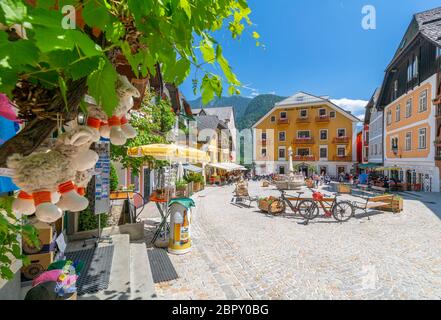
(321, 135)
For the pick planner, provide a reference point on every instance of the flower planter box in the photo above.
(343, 188)
(121, 195)
(197, 186)
(396, 206)
(271, 202)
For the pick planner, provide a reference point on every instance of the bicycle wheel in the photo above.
(308, 209)
(343, 211)
(277, 207)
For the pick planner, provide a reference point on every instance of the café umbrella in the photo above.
(169, 152)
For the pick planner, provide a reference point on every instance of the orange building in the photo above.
(321, 136)
(407, 96)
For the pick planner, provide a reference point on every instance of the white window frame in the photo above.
(415, 67)
(409, 104)
(408, 141)
(344, 136)
(332, 114)
(341, 147)
(410, 71)
(298, 132)
(420, 135)
(423, 97)
(395, 89)
(326, 112)
(283, 112)
(327, 134)
(279, 136)
(398, 113)
(303, 148)
(389, 117)
(273, 119)
(392, 139)
(278, 153)
(300, 113)
(261, 136)
(320, 153)
(261, 153)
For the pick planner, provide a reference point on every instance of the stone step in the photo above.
(119, 282)
(142, 286)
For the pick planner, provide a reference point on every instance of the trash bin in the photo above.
(180, 225)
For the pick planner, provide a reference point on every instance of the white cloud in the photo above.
(357, 107)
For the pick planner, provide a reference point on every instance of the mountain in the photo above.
(246, 110)
(257, 108)
(238, 103)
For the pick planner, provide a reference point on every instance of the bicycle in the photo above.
(300, 207)
(342, 211)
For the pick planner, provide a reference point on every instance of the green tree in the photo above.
(52, 67)
(10, 246)
(113, 178)
(152, 122)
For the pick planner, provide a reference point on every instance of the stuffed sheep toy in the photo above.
(117, 127)
(120, 129)
(82, 179)
(42, 174)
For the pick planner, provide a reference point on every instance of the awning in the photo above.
(369, 165)
(227, 166)
(191, 167)
(170, 152)
(388, 169)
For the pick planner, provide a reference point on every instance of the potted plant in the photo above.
(181, 188)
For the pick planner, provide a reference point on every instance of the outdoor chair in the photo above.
(241, 194)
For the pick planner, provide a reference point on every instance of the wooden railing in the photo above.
(283, 121)
(303, 120)
(341, 140)
(303, 158)
(309, 140)
(343, 158)
(322, 119)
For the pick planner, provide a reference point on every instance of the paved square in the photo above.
(241, 253)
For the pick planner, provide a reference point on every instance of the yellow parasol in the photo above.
(169, 152)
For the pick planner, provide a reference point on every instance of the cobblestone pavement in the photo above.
(241, 253)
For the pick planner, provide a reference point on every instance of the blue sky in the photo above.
(318, 46)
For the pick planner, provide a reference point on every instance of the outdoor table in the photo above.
(162, 205)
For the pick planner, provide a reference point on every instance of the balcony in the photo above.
(309, 140)
(322, 119)
(303, 120)
(303, 158)
(438, 112)
(342, 140)
(343, 158)
(283, 121)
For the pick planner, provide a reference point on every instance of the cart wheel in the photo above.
(277, 207)
(343, 211)
(308, 209)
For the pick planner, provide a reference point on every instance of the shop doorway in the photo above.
(304, 170)
(341, 170)
(409, 177)
(281, 170)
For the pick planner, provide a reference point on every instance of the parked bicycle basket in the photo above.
(317, 196)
